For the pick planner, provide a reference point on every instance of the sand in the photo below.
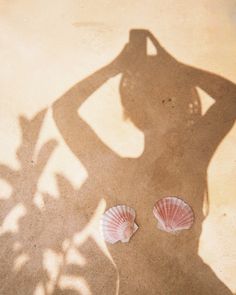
(86, 125)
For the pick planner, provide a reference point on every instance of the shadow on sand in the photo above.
(159, 95)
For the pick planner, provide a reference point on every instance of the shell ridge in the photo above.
(178, 206)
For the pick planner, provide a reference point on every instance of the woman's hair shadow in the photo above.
(159, 95)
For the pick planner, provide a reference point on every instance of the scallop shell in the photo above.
(173, 214)
(117, 224)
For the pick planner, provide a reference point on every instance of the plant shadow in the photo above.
(25, 263)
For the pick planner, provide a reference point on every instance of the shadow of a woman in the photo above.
(159, 95)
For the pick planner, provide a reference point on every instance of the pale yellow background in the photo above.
(47, 46)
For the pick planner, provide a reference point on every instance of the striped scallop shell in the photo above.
(117, 224)
(173, 214)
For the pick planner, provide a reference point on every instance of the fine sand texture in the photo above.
(116, 102)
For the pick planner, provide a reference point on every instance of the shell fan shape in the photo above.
(173, 214)
(117, 224)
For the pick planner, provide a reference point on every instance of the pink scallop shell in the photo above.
(173, 214)
(117, 224)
